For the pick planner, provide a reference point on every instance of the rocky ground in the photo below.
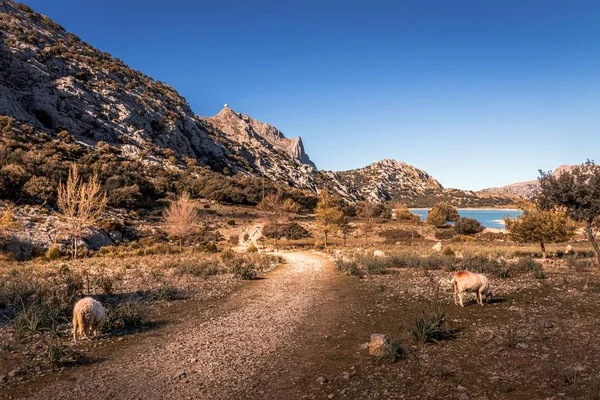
(300, 333)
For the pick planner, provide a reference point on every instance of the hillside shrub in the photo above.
(444, 234)
(468, 226)
(399, 235)
(291, 231)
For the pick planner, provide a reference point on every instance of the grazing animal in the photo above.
(87, 315)
(469, 282)
(378, 253)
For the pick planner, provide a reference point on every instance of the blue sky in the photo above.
(477, 93)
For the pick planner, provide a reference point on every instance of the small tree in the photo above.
(180, 218)
(81, 204)
(441, 213)
(366, 211)
(329, 215)
(345, 228)
(577, 192)
(540, 226)
(273, 204)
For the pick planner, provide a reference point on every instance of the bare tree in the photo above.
(81, 204)
(273, 204)
(366, 211)
(345, 228)
(180, 218)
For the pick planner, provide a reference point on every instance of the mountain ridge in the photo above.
(61, 85)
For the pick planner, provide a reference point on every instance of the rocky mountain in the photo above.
(384, 181)
(527, 189)
(52, 80)
(84, 101)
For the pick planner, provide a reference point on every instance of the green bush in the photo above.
(131, 314)
(244, 269)
(292, 231)
(468, 226)
(349, 267)
(234, 240)
(53, 253)
(428, 326)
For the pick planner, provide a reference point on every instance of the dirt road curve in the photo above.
(229, 351)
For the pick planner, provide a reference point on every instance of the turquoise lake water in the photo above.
(487, 218)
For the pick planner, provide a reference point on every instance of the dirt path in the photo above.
(221, 353)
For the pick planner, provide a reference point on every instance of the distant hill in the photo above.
(527, 189)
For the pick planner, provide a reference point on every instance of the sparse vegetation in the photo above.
(429, 325)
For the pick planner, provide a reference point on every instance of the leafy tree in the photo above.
(468, 226)
(540, 226)
(577, 192)
(81, 204)
(180, 218)
(329, 215)
(441, 213)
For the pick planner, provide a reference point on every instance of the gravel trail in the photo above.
(219, 354)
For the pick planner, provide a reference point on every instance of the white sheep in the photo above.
(378, 253)
(87, 315)
(465, 282)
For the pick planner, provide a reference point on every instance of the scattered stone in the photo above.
(463, 396)
(378, 344)
(522, 345)
(461, 388)
(331, 396)
(437, 247)
(347, 375)
(494, 378)
(116, 236)
(378, 253)
(180, 375)
(15, 372)
(322, 380)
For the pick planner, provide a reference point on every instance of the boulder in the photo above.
(378, 344)
(437, 247)
(97, 240)
(116, 236)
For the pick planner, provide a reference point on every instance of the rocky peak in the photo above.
(243, 128)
